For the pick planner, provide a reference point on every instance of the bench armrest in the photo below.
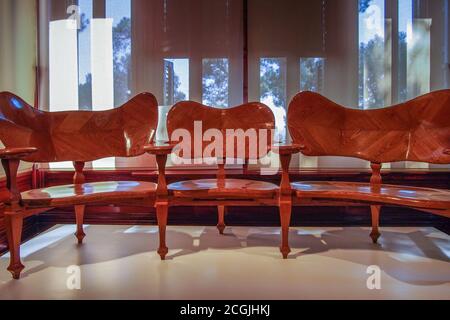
(287, 148)
(16, 153)
(159, 148)
(10, 158)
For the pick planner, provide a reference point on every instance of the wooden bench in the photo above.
(221, 192)
(417, 130)
(79, 136)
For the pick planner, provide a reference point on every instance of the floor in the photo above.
(120, 262)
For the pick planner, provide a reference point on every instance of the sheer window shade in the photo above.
(189, 48)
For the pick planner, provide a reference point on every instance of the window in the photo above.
(312, 72)
(90, 63)
(180, 50)
(176, 81)
(120, 13)
(404, 24)
(414, 50)
(84, 53)
(273, 91)
(215, 82)
(373, 84)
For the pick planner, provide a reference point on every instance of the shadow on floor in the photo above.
(402, 255)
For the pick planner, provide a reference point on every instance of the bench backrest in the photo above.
(249, 122)
(417, 130)
(78, 135)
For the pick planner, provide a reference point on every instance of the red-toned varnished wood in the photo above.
(193, 122)
(250, 116)
(10, 158)
(78, 135)
(285, 201)
(16, 153)
(390, 194)
(230, 188)
(97, 192)
(417, 130)
(79, 178)
(14, 223)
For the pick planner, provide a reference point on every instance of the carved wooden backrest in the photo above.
(417, 130)
(242, 120)
(78, 135)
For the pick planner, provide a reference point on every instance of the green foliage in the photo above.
(122, 61)
(215, 82)
(371, 73)
(177, 94)
(85, 93)
(402, 64)
(272, 82)
(122, 66)
(311, 74)
(364, 5)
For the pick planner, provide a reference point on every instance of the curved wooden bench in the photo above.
(220, 192)
(419, 198)
(89, 193)
(79, 136)
(417, 130)
(216, 188)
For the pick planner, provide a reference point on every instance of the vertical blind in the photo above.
(359, 53)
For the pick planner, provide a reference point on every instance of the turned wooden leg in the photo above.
(14, 224)
(221, 220)
(79, 217)
(375, 234)
(285, 217)
(161, 213)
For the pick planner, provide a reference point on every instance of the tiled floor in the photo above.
(120, 262)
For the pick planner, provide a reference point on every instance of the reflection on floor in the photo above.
(120, 262)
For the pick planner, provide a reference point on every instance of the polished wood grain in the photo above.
(250, 116)
(388, 194)
(417, 130)
(96, 192)
(14, 223)
(16, 153)
(319, 212)
(217, 188)
(78, 135)
(192, 120)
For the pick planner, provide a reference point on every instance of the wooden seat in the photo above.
(416, 130)
(87, 193)
(389, 194)
(199, 132)
(229, 188)
(37, 136)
